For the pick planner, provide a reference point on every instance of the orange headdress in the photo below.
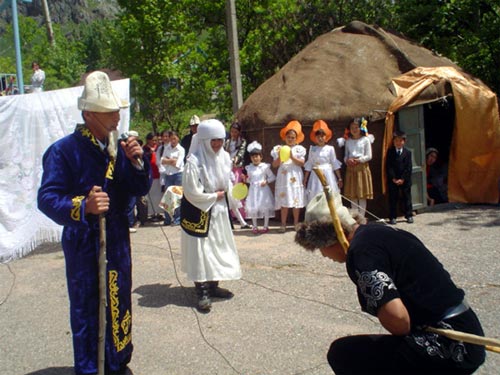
(320, 125)
(296, 127)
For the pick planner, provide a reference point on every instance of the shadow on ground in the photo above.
(46, 248)
(160, 295)
(468, 216)
(54, 371)
(65, 371)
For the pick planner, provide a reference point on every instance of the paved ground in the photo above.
(289, 305)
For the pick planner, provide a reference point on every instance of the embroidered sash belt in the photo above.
(194, 221)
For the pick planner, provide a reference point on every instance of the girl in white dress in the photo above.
(260, 201)
(289, 187)
(321, 156)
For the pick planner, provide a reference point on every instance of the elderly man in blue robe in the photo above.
(86, 174)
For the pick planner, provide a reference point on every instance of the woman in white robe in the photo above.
(205, 182)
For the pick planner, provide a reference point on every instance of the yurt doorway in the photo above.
(411, 121)
(439, 118)
(428, 125)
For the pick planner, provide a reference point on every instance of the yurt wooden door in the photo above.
(411, 121)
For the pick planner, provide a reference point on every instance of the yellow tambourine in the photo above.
(240, 191)
(285, 153)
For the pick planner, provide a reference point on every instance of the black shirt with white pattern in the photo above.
(387, 263)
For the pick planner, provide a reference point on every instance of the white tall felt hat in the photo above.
(317, 210)
(317, 230)
(98, 95)
(195, 120)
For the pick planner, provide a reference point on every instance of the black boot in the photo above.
(204, 302)
(217, 292)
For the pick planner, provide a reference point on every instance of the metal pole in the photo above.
(17, 44)
(234, 55)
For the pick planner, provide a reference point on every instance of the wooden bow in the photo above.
(493, 345)
(339, 231)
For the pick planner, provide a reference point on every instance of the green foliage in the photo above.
(96, 42)
(272, 32)
(466, 31)
(61, 63)
(176, 53)
(149, 43)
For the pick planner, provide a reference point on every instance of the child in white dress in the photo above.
(289, 187)
(260, 201)
(321, 156)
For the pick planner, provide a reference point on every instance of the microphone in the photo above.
(124, 137)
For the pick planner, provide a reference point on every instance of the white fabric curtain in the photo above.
(29, 124)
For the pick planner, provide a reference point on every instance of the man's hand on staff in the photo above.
(133, 150)
(97, 201)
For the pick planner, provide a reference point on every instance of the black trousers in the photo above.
(399, 355)
(394, 192)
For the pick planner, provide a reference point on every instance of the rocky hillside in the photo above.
(63, 11)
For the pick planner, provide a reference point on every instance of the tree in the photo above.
(272, 32)
(155, 45)
(61, 63)
(466, 31)
(175, 52)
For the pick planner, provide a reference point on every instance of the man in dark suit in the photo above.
(186, 140)
(398, 166)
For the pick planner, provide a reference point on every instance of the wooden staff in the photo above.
(102, 295)
(490, 344)
(333, 213)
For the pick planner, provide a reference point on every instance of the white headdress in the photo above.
(215, 168)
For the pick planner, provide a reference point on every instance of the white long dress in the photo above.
(324, 158)
(37, 80)
(260, 199)
(289, 187)
(214, 257)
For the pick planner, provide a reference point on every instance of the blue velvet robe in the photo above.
(72, 166)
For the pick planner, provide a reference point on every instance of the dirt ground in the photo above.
(288, 307)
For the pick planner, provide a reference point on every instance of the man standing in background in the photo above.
(38, 77)
(193, 129)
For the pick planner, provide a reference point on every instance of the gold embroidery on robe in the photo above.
(197, 227)
(87, 133)
(110, 169)
(75, 210)
(118, 328)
